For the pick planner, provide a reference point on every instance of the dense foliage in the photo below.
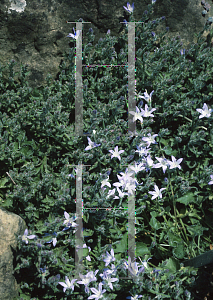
(38, 146)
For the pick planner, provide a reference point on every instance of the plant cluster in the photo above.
(171, 158)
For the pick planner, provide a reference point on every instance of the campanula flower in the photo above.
(86, 279)
(130, 187)
(137, 168)
(53, 240)
(144, 263)
(109, 258)
(121, 194)
(146, 112)
(149, 161)
(175, 164)
(125, 21)
(142, 151)
(107, 279)
(211, 182)
(205, 112)
(163, 163)
(116, 153)
(112, 271)
(133, 267)
(157, 192)
(75, 35)
(98, 293)
(111, 192)
(129, 7)
(91, 144)
(125, 178)
(70, 175)
(137, 115)
(68, 284)
(150, 139)
(146, 96)
(69, 222)
(105, 182)
(134, 298)
(26, 236)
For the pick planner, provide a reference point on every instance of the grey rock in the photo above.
(35, 32)
(10, 224)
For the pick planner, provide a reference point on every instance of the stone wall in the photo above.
(34, 32)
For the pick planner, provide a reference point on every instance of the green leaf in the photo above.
(72, 191)
(7, 203)
(164, 142)
(2, 182)
(196, 230)
(93, 166)
(15, 145)
(179, 251)
(173, 265)
(88, 232)
(21, 136)
(122, 245)
(37, 170)
(36, 214)
(24, 296)
(26, 151)
(154, 213)
(141, 249)
(147, 73)
(86, 216)
(186, 199)
(173, 239)
(113, 230)
(168, 151)
(154, 223)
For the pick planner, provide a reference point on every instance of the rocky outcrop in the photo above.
(35, 32)
(10, 224)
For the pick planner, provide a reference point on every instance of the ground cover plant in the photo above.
(172, 164)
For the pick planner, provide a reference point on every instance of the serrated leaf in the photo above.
(88, 232)
(122, 245)
(112, 230)
(154, 214)
(3, 181)
(93, 166)
(154, 223)
(36, 214)
(86, 217)
(141, 249)
(186, 199)
(164, 142)
(173, 239)
(179, 251)
(7, 203)
(173, 265)
(147, 73)
(15, 146)
(168, 151)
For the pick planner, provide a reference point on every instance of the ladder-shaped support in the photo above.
(79, 132)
